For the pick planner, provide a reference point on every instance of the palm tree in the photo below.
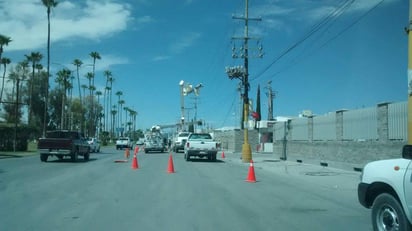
(78, 63)
(133, 115)
(111, 80)
(108, 75)
(84, 86)
(126, 109)
(113, 111)
(49, 4)
(95, 55)
(5, 61)
(121, 103)
(98, 114)
(24, 66)
(89, 76)
(63, 78)
(34, 58)
(118, 93)
(4, 41)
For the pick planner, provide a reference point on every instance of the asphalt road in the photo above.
(200, 195)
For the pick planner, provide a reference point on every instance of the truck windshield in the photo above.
(201, 136)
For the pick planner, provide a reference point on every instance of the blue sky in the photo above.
(356, 59)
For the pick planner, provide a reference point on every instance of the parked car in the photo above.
(386, 188)
(94, 144)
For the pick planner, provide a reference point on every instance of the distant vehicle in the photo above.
(386, 187)
(154, 140)
(180, 140)
(94, 144)
(124, 142)
(154, 144)
(200, 145)
(140, 142)
(61, 143)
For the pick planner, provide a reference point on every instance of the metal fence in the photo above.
(386, 121)
(397, 121)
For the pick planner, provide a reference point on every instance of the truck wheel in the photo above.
(388, 214)
(43, 157)
(74, 156)
(86, 156)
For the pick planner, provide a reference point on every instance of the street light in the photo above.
(186, 89)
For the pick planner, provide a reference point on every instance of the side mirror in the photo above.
(407, 152)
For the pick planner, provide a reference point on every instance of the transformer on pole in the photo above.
(242, 73)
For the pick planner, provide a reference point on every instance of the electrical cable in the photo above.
(332, 16)
(336, 36)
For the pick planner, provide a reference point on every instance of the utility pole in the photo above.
(408, 30)
(243, 74)
(182, 106)
(271, 95)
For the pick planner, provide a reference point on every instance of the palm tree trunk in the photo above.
(48, 73)
(2, 85)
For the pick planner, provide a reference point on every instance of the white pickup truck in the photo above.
(386, 188)
(180, 140)
(124, 142)
(200, 145)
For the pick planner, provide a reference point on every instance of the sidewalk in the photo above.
(268, 161)
(323, 176)
(17, 154)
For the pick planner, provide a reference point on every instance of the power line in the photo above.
(332, 16)
(336, 36)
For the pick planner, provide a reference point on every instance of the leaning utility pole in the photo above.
(408, 30)
(243, 74)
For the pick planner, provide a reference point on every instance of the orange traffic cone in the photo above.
(170, 167)
(127, 153)
(135, 165)
(223, 155)
(136, 150)
(251, 175)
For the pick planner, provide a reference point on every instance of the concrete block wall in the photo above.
(344, 155)
(232, 140)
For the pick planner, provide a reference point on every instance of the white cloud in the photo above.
(108, 61)
(187, 41)
(161, 58)
(25, 21)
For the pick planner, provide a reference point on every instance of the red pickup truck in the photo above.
(61, 143)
